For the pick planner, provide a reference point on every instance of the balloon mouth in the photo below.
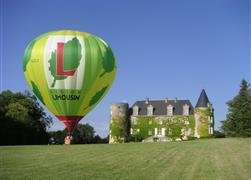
(70, 121)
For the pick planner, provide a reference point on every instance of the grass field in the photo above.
(199, 159)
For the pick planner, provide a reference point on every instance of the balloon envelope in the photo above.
(69, 72)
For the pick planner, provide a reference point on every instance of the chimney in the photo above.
(147, 100)
(175, 99)
(166, 99)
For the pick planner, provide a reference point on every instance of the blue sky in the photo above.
(163, 48)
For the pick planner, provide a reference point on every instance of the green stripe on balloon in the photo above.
(92, 64)
(37, 92)
(27, 54)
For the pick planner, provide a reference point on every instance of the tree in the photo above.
(238, 120)
(83, 134)
(22, 119)
(99, 140)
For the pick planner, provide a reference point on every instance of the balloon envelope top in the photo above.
(69, 72)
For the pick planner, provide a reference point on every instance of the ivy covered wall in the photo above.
(204, 121)
(118, 130)
(145, 126)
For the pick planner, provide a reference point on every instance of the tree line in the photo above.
(24, 121)
(83, 134)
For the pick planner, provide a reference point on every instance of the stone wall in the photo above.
(119, 123)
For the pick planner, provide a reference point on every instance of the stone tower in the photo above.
(204, 116)
(119, 123)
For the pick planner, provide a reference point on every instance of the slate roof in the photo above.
(160, 107)
(203, 99)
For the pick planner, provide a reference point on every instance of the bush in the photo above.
(136, 137)
(218, 134)
(189, 138)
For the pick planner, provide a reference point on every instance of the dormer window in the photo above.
(169, 110)
(150, 110)
(136, 110)
(185, 110)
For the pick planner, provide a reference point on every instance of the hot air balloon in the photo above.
(69, 72)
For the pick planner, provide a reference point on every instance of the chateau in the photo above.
(161, 120)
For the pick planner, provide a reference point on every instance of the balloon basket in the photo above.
(68, 140)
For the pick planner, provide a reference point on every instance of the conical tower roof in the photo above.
(203, 99)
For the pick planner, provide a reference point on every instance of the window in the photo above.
(150, 110)
(186, 110)
(150, 132)
(135, 110)
(212, 130)
(159, 131)
(163, 131)
(169, 110)
(169, 130)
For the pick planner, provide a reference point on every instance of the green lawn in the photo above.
(199, 159)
